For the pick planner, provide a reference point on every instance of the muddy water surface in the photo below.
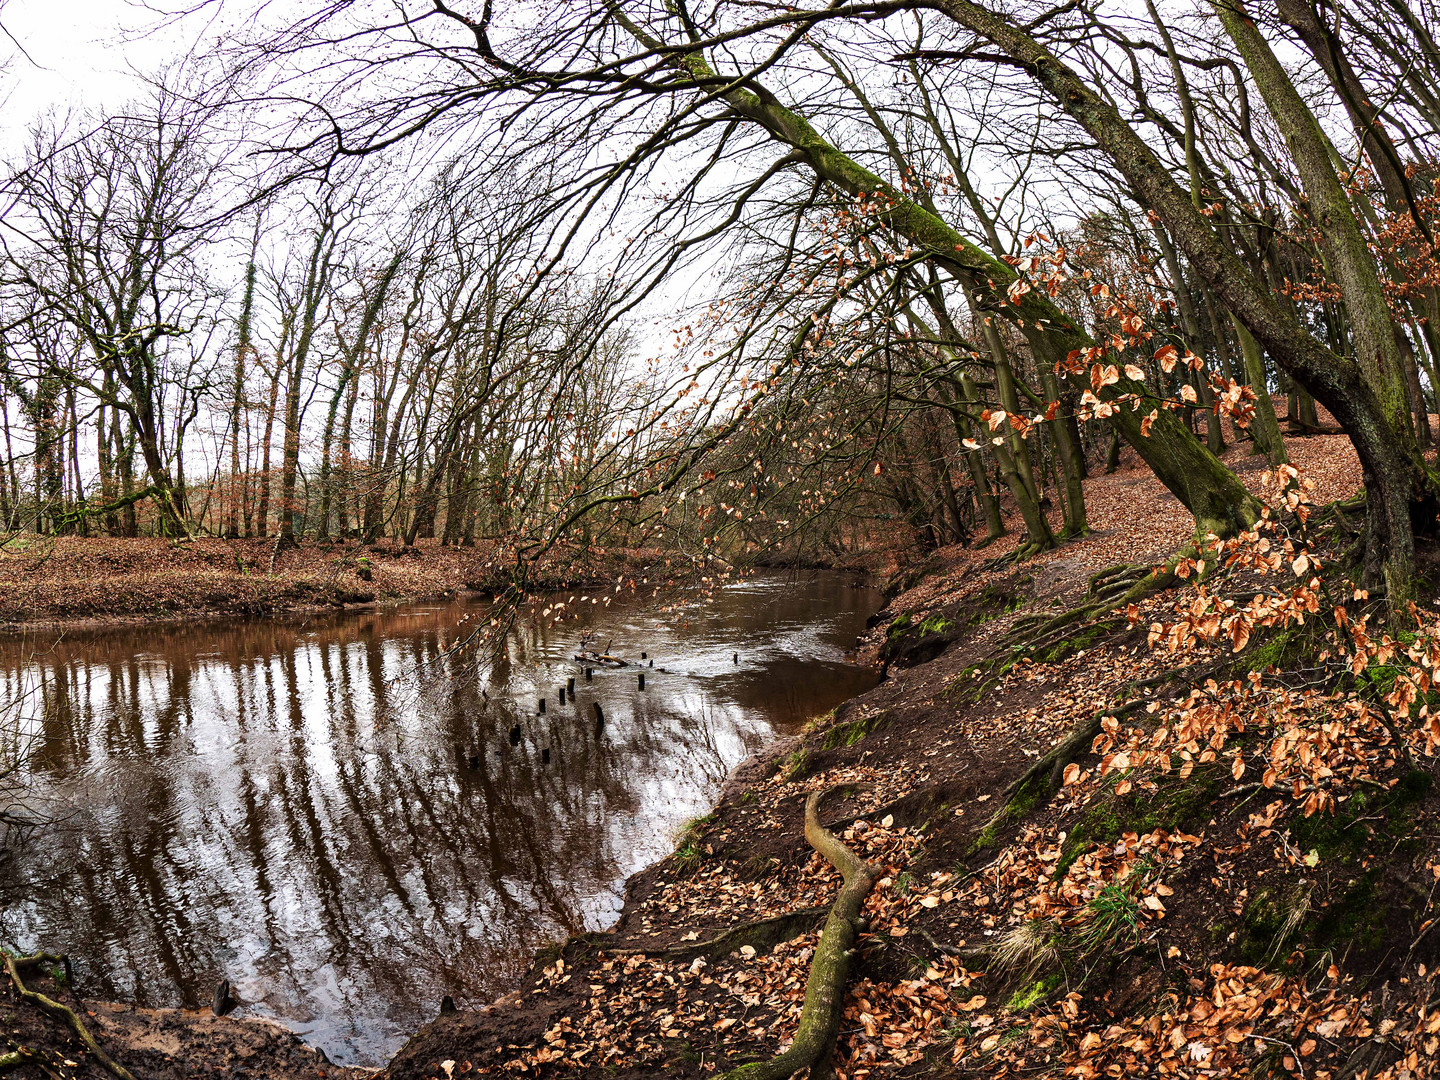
(292, 803)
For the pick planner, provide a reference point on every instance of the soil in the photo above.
(95, 581)
(154, 1044)
(1189, 923)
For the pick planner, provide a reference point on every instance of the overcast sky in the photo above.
(77, 55)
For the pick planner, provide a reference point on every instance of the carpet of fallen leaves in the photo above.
(1134, 518)
(70, 578)
(1237, 877)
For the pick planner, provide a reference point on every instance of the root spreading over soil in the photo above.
(1085, 828)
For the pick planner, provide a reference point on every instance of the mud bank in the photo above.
(96, 582)
(152, 1044)
(1032, 916)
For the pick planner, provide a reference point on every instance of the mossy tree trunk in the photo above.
(1218, 500)
(1366, 396)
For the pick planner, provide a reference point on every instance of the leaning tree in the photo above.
(668, 125)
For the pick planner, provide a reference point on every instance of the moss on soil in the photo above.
(1283, 920)
(852, 731)
(1176, 804)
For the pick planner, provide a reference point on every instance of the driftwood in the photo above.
(825, 989)
(601, 660)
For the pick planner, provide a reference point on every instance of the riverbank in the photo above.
(1052, 897)
(1050, 900)
(151, 1044)
(98, 581)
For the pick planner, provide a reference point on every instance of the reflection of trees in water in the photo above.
(287, 807)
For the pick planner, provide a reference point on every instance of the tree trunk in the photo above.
(1266, 427)
(290, 463)
(125, 453)
(237, 400)
(262, 512)
(346, 481)
(1037, 528)
(1366, 412)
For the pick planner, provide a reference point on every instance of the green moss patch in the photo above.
(1176, 804)
(852, 731)
(1281, 919)
(1033, 993)
(909, 642)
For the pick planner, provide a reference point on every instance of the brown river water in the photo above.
(290, 803)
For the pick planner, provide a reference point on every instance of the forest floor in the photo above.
(97, 580)
(1108, 912)
(152, 1044)
(1095, 856)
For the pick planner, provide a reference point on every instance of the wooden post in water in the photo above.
(222, 1002)
(542, 706)
(642, 680)
(589, 674)
(570, 686)
(515, 735)
(599, 720)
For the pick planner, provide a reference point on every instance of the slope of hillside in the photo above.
(1097, 854)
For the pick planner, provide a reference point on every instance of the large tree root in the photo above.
(825, 989)
(758, 933)
(15, 964)
(13, 1059)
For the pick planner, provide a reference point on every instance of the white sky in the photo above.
(79, 57)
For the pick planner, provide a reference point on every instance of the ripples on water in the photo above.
(289, 802)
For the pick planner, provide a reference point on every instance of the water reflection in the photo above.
(292, 803)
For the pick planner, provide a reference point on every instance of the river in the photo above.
(330, 811)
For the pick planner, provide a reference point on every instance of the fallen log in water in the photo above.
(601, 659)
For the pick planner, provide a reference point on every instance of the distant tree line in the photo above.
(729, 278)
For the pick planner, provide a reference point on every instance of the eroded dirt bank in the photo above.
(73, 581)
(1050, 901)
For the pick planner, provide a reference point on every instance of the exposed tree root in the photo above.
(15, 964)
(1048, 636)
(13, 1059)
(1114, 587)
(975, 954)
(825, 989)
(1049, 768)
(759, 933)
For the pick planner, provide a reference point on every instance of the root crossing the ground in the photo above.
(825, 989)
(14, 965)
